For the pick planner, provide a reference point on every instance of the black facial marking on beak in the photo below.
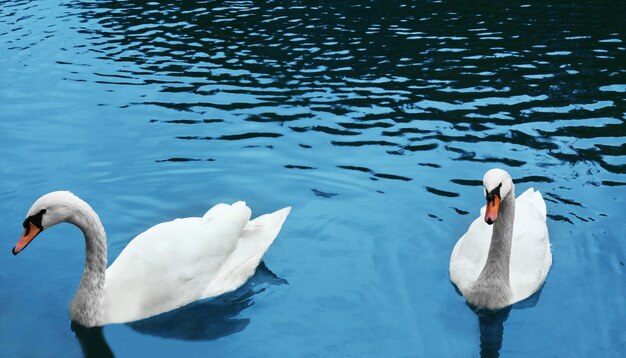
(492, 194)
(35, 220)
(26, 226)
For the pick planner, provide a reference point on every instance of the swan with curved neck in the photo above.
(169, 265)
(505, 257)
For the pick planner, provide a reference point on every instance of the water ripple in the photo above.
(339, 100)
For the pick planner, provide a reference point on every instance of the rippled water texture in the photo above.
(374, 120)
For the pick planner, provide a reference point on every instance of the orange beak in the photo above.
(493, 206)
(29, 234)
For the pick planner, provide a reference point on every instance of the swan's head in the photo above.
(47, 211)
(498, 184)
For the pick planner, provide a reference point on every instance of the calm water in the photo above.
(374, 120)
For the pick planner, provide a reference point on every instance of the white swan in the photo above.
(497, 265)
(168, 266)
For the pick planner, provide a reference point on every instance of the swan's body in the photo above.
(497, 265)
(168, 266)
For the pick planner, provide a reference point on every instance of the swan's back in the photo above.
(530, 252)
(535, 199)
(530, 249)
(178, 262)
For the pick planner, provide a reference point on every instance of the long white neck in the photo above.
(492, 288)
(86, 307)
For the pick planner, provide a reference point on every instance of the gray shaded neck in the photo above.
(492, 289)
(86, 308)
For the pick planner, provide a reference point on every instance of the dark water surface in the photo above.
(374, 120)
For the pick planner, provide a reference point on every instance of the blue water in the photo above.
(374, 120)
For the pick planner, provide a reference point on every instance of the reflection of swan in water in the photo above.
(491, 323)
(201, 320)
(213, 318)
(491, 330)
(91, 341)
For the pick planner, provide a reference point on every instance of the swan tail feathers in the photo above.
(541, 204)
(256, 238)
(535, 198)
(272, 222)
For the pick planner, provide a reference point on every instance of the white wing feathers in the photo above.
(180, 261)
(254, 240)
